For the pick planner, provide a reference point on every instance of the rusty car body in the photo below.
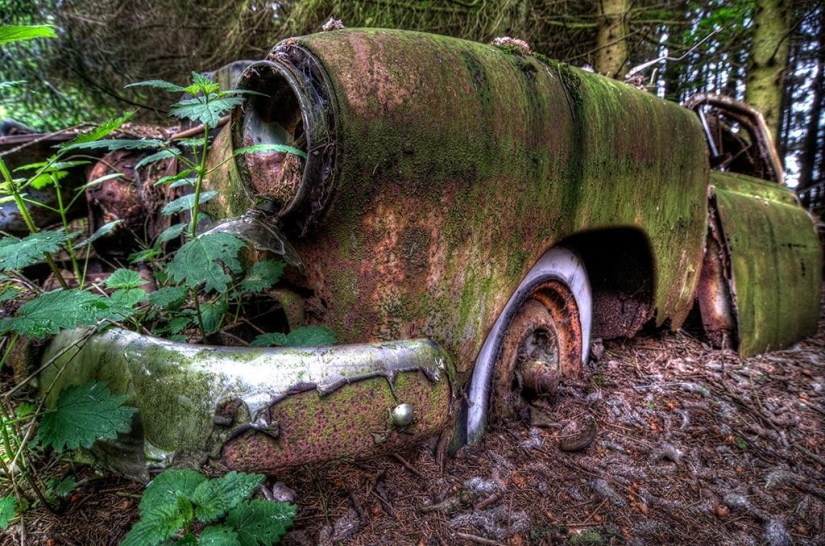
(470, 218)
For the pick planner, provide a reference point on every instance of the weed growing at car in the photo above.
(196, 285)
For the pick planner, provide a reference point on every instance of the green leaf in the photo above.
(167, 487)
(41, 181)
(116, 144)
(51, 167)
(9, 292)
(258, 148)
(125, 278)
(8, 510)
(216, 497)
(187, 202)
(155, 527)
(202, 260)
(123, 303)
(49, 313)
(84, 414)
(104, 129)
(157, 156)
(202, 84)
(275, 339)
(160, 84)
(261, 522)
(98, 181)
(65, 486)
(168, 296)
(102, 231)
(311, 336)
(219, 536)
(15, 254)
(144, 255)
(184, 182)
(173, 177)
(179, 324)
(262, 276)
(205, 110)
(13, 33)
(212, 314)
(172, 232)
(307, 336)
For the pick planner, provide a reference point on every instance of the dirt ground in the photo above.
(692, 446)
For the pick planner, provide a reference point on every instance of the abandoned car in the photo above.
(469, 219)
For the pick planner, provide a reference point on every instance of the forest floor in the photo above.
(692, 446)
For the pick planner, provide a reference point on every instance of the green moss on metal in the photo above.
(776, 262)
(489, 158)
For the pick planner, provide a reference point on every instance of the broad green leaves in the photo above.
(176, 498)
(308, 336)
(84, 414)
(103, 130)
(12, 33)
(215, 498)
(8, 510)
(203, 110)
(262, 276)
(202, 261)
(125, 278)
(187, 202)
(49, 313)
(261, 522)
(270, 148)
(18, 253)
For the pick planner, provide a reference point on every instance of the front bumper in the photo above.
(257, 409)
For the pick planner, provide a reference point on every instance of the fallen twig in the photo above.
(407, 465)
(478, 540)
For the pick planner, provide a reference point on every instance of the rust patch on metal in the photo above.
(713, 291)
(132, 198)
(352, 422)
(542, 344)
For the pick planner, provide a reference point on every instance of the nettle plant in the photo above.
(198, 286)
(179, 501)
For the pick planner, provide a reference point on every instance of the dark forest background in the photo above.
(770, 53)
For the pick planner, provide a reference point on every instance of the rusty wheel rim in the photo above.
(541, 346)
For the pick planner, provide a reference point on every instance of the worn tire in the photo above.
(553, 302)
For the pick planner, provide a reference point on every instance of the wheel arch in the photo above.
(559, 263)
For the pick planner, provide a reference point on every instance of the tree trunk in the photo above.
(809, 146)
(611, 39)
(768, 60)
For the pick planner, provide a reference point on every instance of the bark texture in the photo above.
(768, 60)
(611, 39)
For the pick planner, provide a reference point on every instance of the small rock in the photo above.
(737, 501)
(667, 451)
(605, 491)
(282, 493)
(539, 418)
(596, 350)
(483, 487)
(776, 535)
(346, 526)
(533, 441)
